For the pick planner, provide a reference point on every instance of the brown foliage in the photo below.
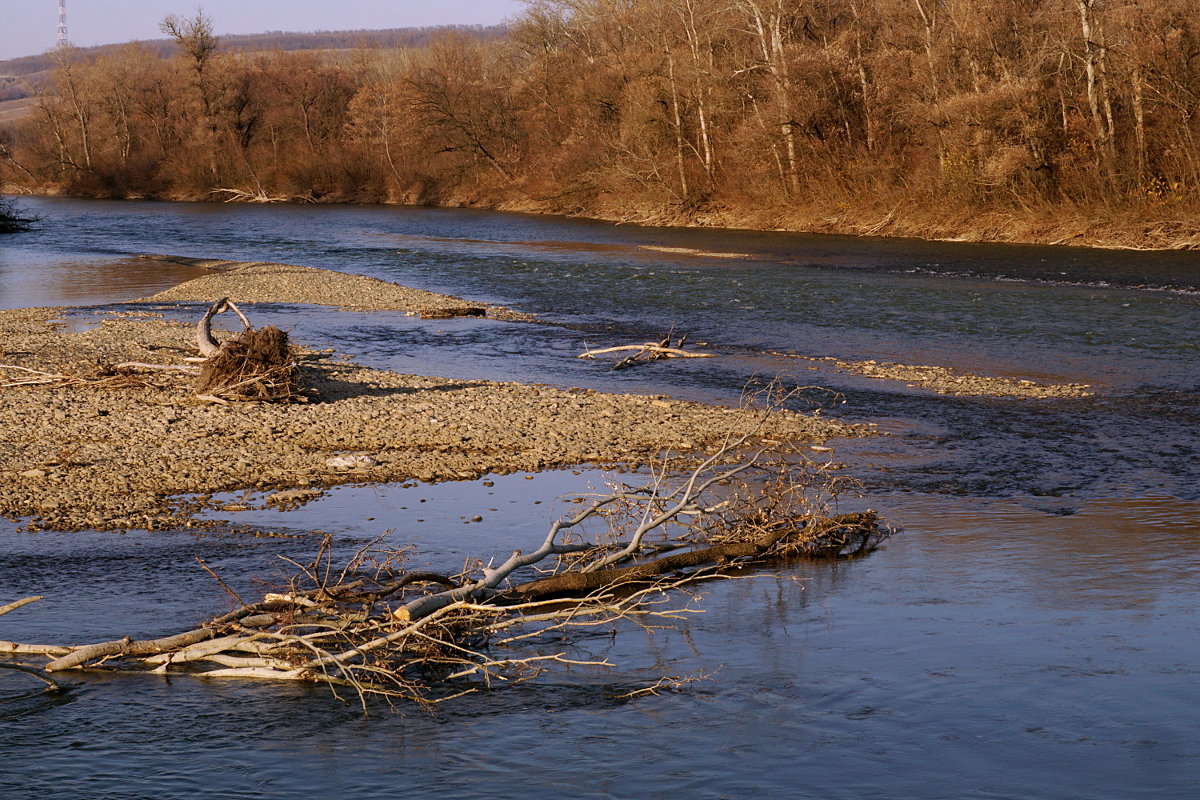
(667, 108)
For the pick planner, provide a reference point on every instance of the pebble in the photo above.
(133, 472)
(351, 462)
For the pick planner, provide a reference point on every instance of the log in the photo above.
(126, 646)
(586, 582)
(34, 649)
(377, 630)
(578, 582)
(92, 651)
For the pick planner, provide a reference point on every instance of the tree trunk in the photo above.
(1098, 101)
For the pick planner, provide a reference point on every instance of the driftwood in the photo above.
(206, 343)
(51, 685)
(12, 219)
(257, 196)
(817, 536)
(112, 377)
(379, 629)
(13, 606)
(646, 352)
(255, 364)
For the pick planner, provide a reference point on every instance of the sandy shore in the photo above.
(84, 447)
(266, 282)
(951, 382)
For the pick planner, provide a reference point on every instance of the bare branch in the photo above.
(13, 606)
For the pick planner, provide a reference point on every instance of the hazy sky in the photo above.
(31, 26)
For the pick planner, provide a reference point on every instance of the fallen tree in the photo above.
(377, 628)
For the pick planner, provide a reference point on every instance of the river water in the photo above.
(1033, 631)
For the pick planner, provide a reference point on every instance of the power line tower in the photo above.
(62, 23)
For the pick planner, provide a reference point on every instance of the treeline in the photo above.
(877, 115)
(11, 89)
(27, 75)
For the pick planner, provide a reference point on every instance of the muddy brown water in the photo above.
(1033, 632)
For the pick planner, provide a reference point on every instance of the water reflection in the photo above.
(954, 663)
(1036, 619)
(33, 278)
(1109, 553)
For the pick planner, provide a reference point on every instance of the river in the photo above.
(1032, 632)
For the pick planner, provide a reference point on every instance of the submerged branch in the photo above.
(380, 629)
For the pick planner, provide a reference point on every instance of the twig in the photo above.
(654, 348)
(224, 585)
(51, 686)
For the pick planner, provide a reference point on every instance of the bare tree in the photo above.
(196, 39)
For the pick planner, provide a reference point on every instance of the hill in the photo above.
(277, 40)
(20, 78)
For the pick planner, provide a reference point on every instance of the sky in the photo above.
(28, 27)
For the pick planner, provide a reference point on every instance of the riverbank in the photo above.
(1036, 610)
(1173, 227)
(261, 282)
(90, 446)
(74, 420)
(269, 282)
(1165, 225)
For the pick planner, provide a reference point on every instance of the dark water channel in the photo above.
(1032, 633)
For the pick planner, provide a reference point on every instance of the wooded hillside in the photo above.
(1070, 120)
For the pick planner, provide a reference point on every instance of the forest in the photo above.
(1071, 121)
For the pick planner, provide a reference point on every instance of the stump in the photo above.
(256, 364)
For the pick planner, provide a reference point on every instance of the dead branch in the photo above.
(651, 347)
(34, 649)
(377, 628)
(13, 606)
(33, 377)
(141, 365)
(105, 377)
(205, 341)
(578, 581)
(258, 196)
(51, 686)
(647, 352)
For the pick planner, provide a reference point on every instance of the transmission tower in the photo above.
(62, 23)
